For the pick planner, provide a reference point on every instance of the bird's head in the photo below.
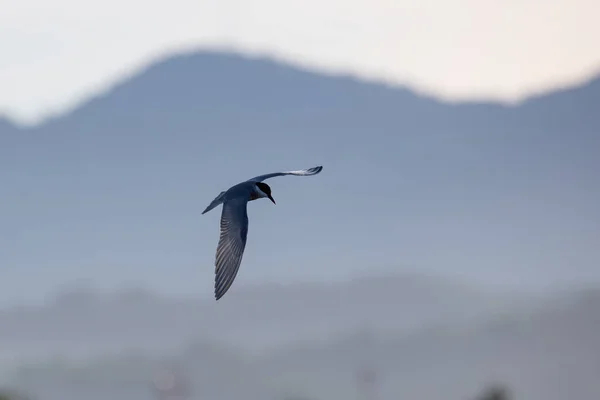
(264, 190)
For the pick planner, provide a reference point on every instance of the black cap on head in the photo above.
(266, 189)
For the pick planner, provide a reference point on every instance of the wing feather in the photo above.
(232, 242)
(301, 172)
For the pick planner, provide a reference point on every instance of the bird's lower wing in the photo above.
(301, 172)
(232, 242)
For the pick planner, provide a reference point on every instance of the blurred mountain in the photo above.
(6, 126)
(570, 109)
(243, 92)
(200, 90)
(9, 138)
(112, 191)
(550, 353)
(80, 323)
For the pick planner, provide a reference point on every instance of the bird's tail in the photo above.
(218, 200)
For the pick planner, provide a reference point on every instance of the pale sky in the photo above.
(55, 53)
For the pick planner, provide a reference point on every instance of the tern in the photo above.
(234, 223)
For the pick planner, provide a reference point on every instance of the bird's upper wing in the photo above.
(232, 241)
(301, 172)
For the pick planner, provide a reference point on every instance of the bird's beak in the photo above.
(272, 199)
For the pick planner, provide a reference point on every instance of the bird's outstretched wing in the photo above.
(301, 172)
(232, 241)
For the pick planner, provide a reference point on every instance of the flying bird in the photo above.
(234, 223)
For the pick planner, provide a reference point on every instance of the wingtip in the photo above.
(218, 293)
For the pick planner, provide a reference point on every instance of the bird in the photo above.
(234, 223)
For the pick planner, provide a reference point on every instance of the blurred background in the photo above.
(450, 249)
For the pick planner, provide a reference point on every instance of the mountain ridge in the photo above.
(246, 60)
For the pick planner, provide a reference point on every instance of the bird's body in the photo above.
(234, 223)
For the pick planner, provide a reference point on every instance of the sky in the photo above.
(55, 54)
